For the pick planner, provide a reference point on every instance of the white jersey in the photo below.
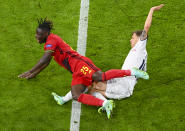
(119, 88)
(137, 56)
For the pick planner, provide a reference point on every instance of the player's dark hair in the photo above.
(45, 24)
(138, 32)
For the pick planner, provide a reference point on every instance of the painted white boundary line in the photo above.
(81, 49)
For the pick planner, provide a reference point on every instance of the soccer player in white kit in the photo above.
(119, 88)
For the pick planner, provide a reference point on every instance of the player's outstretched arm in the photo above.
(148, 21)
(42, 64)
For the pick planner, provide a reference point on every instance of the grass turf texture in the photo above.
(157, 104)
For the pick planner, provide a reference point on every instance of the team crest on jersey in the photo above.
(49, 45)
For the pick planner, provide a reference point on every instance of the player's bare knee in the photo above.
(75, 96)
(97, 76)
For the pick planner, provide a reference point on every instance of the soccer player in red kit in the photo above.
(82, 68)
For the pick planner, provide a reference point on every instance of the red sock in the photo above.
(90, 100)
(115, 73)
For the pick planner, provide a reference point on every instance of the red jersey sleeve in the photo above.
(50, 45)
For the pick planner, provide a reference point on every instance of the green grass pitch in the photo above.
(156, 104)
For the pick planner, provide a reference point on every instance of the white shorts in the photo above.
(119, 88)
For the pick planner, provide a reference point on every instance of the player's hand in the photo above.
(32, 75)
(155, 8)
(25, 74)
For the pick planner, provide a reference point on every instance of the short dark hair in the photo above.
(45, 24)
(138, 32)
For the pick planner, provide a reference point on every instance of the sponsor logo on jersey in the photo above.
(49, 45)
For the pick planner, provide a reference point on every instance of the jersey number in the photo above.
(85, 70)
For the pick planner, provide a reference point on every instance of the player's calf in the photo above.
(110, 74)
(116, 73)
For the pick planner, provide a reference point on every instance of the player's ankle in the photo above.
(104, 103)
(133, 71)
(65, 99)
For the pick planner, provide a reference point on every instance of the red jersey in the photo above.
(81, 66)
(62, 52)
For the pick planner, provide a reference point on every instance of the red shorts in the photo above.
(83, 72)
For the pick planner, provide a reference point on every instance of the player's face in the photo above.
(41, 35)
(134, 40)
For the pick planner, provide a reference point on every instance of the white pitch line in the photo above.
(81, 49)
